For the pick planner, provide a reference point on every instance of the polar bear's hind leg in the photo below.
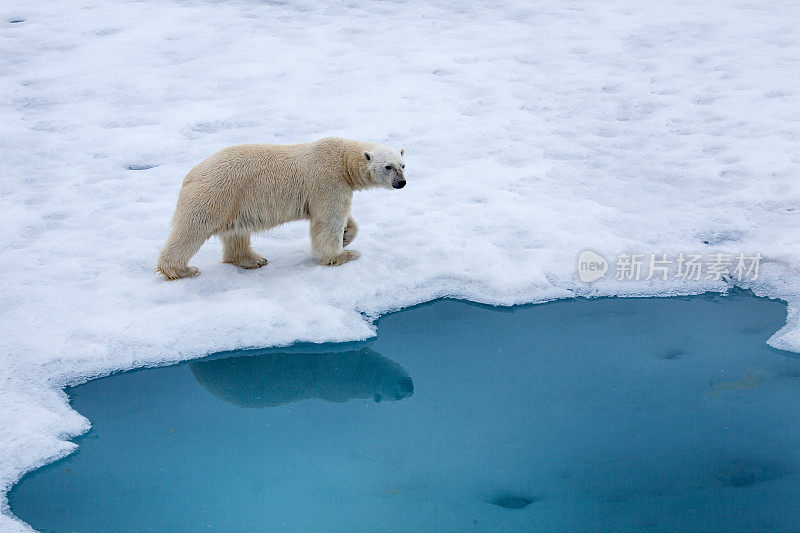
(236, 250)
(181, 246)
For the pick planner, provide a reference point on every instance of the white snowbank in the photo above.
(531, 134)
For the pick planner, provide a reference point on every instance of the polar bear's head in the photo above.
(386, 167)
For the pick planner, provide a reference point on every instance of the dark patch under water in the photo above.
(581, 415)
(511, 502)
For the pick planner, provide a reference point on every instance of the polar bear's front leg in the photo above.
(327, 241)
(350, 231)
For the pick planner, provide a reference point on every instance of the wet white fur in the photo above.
(254, 187)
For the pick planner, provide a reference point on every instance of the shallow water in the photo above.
(659, 414)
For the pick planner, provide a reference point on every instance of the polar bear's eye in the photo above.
(388, 167)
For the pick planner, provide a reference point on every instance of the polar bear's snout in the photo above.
(399, 179)
(402, 388)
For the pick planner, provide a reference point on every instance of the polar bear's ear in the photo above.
(367, 156)
(402, 151)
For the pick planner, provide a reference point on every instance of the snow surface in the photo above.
(532, 132)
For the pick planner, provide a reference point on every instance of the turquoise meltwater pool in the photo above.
(668, 414)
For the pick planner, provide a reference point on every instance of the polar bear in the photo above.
(254, 187)
(273, 379)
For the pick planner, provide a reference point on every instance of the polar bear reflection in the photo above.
(272, 379)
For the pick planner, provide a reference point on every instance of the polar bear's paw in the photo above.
(342, 258)
(251, 261)
(173, 273)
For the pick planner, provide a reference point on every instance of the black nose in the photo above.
(399, 184)
(405, 388)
